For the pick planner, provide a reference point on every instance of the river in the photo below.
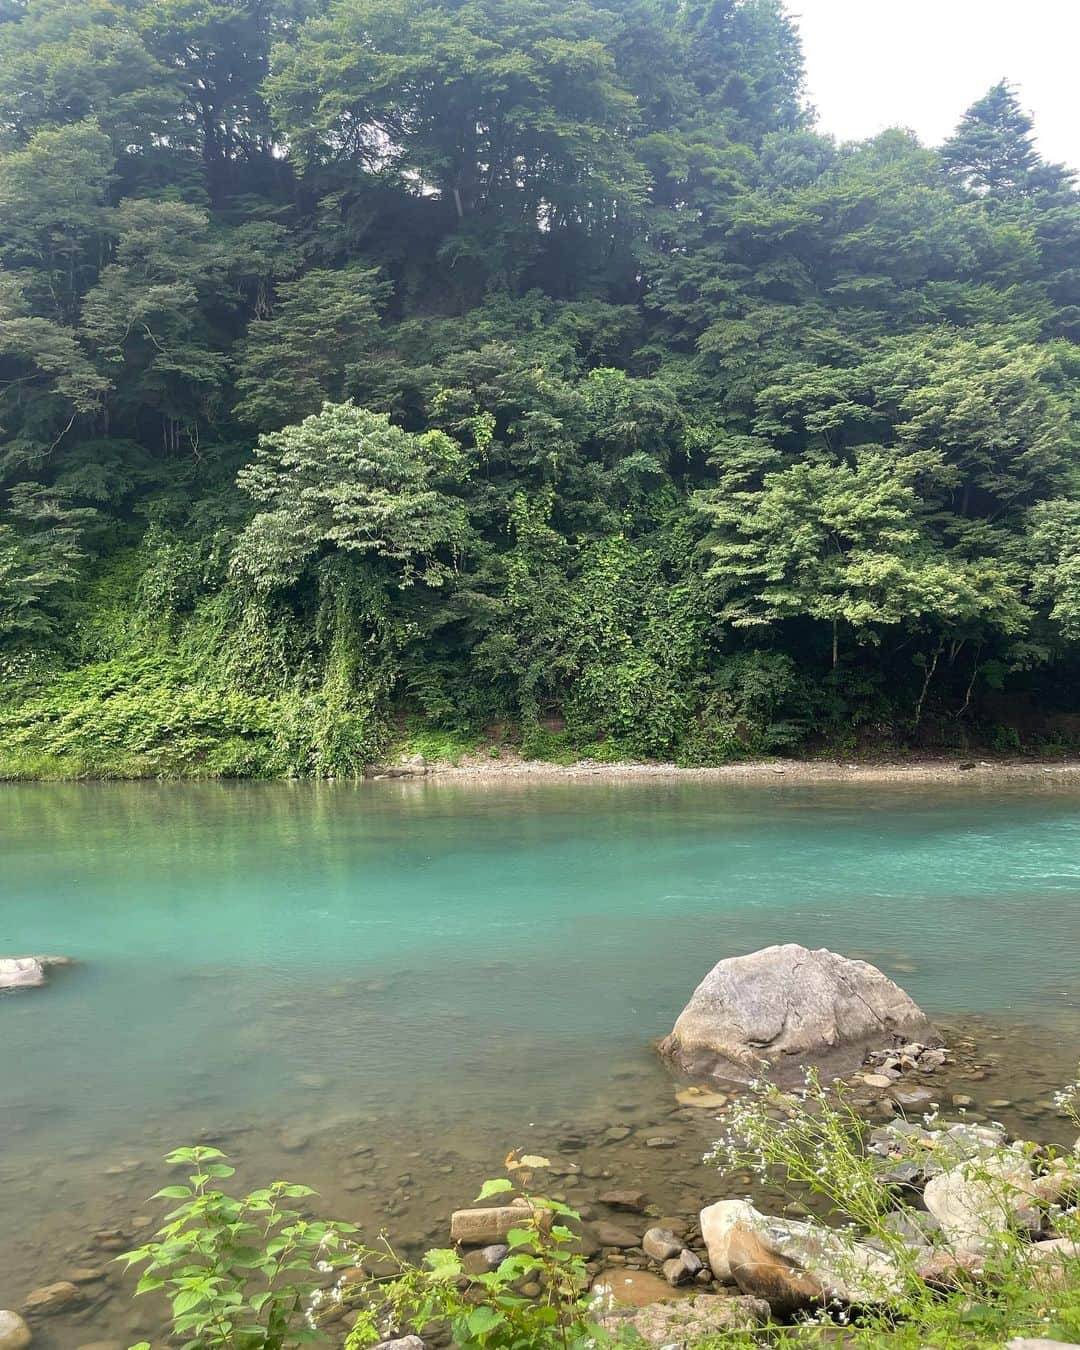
(379, 988)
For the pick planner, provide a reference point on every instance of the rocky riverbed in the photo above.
(629, 1158)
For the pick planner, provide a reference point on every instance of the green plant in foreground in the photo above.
(238, 1272)
(251, 1274)
(490, 1310)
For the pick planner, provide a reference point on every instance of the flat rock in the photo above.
(50, 1298)
(14, 1333)
(911, 1098)
(614, 1235)
(634, 1288)
(633, 1201)
(944, 1269)
(478, 1227)
(702, 1098)
(785, 1007)
(689, 1323)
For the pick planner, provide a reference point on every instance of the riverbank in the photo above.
(509, 765)
(628, 1155)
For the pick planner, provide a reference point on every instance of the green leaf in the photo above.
(483, 1320)
(173, 1193)
(499, 1186)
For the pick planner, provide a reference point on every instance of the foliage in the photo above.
(237, 1272)
(813, 1140)
(488, 1310)
(252, 1273)
(527, 366)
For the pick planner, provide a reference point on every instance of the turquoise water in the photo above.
(380, 989)
(411, 942)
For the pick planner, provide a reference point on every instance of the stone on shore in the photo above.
(485, 1259)
(661, 1244)
(976, 1200)
(792, 1263)
(762, 1273)
(786, 1007)
(693, 1321)
(14, 1333)
(681, 1269)
(717, 1221)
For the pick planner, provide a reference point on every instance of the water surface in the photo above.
(468, 959)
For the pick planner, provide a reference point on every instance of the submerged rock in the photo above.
(689, 1323)
(613, 1235)
(50, 1298)
(14, 1333)
(785, 1007)
(632, 1288)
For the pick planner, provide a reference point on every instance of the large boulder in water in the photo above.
(785, 1007)
(27, 972)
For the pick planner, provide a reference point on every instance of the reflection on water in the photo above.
(436, 973)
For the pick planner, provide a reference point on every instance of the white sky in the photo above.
(873, 64)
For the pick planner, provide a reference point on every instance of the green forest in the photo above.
(376, 373)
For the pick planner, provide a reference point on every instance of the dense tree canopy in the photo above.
(468, 362)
